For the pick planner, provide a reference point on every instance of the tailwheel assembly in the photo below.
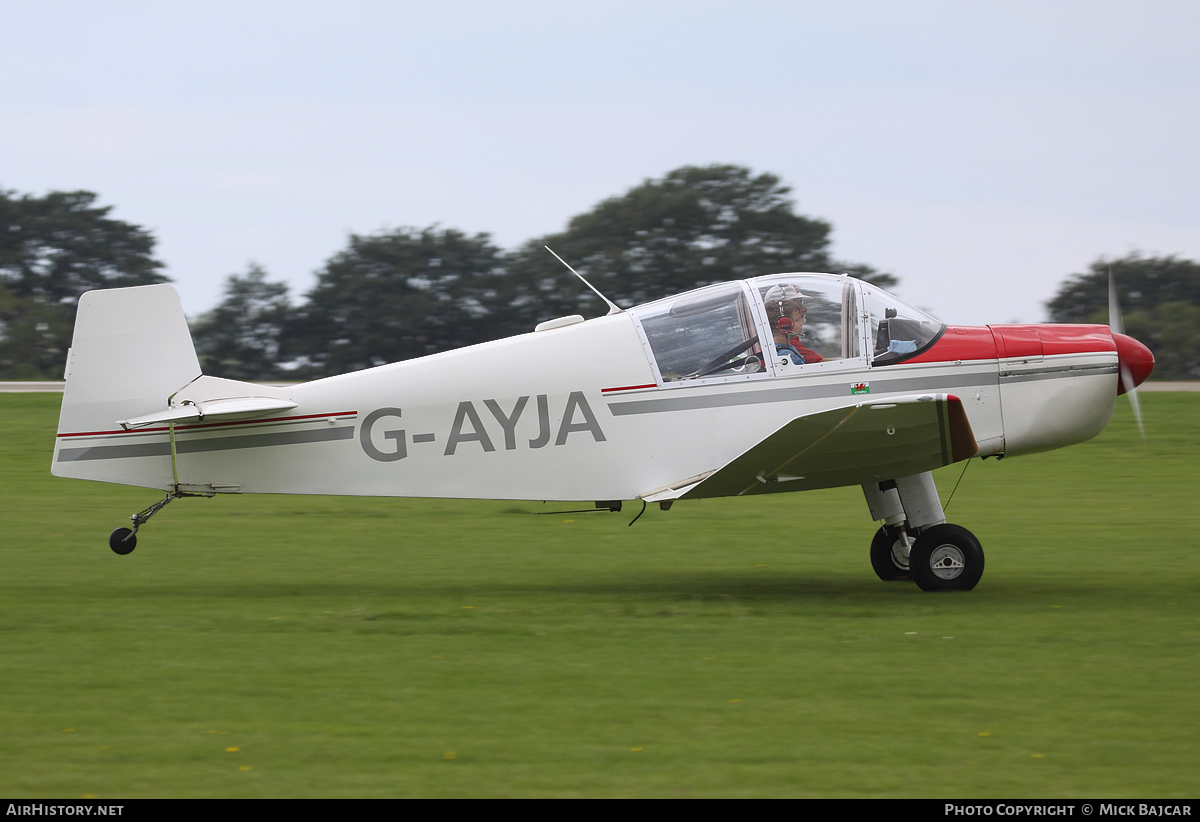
(124, 540)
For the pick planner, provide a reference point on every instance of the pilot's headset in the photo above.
(777, 295)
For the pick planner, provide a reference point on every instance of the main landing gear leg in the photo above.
(916, 542)
(891, 546)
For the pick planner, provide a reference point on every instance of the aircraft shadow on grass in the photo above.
(737, 590)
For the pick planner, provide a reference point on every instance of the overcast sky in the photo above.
(980, 151)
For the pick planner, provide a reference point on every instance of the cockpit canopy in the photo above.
(778, 325)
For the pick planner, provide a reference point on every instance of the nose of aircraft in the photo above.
(1135, 359)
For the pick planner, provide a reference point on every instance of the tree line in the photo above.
(408, 292)
(52, 249)
(404, 293)
(1160, 306)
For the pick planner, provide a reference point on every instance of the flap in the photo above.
(850, 445)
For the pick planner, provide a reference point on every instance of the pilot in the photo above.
(786, 313)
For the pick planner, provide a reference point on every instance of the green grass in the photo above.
(724, 648)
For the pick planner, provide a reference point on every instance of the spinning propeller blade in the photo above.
(1128, 385)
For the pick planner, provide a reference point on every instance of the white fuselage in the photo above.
(491, 421)
(578, 412)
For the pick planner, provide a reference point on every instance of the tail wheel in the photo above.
(887, 555)
(946, 558)
(122, 540)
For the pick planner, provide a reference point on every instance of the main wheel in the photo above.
(122, 541)
(887, 555)
(946, 558)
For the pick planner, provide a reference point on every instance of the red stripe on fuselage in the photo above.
(627, 388)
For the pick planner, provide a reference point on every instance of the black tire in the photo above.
(122, 541)
(946, 558)
(887, 564)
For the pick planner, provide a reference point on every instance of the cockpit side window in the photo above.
(705, 334)
(808, 319)
(899, 331)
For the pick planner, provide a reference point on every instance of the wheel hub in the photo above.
(946, 562)
(899, 555)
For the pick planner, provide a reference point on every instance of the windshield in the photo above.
(899, 330)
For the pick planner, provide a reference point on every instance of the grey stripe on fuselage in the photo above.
(193, 446)
(802, 392)
(878, 387)
(1057, 373)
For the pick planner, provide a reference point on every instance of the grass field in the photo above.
(316, 646)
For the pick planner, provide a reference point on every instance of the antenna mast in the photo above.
(613, 308)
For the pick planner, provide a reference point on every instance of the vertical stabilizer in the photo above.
(131, 351)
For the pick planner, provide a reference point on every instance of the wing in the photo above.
(854, 444)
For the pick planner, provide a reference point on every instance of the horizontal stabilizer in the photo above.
(851, 445)
(235, 408)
